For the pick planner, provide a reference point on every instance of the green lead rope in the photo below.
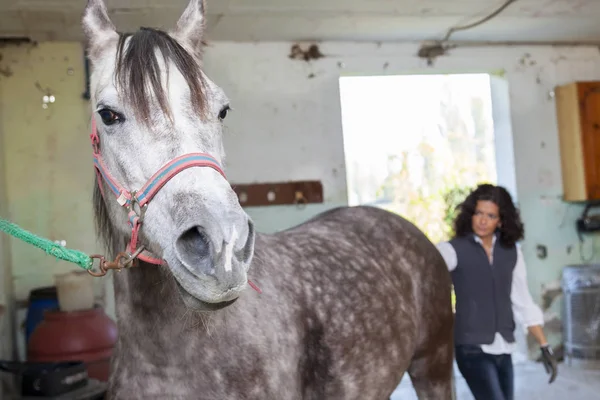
(51, 248)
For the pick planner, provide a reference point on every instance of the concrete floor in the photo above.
(531, 383)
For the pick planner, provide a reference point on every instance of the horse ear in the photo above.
(190, 27)
(99, 30)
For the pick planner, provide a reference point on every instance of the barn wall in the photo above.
(6, 288)
(285, 125)
(47, 163)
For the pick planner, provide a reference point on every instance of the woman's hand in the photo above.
(549, 362)
(547, 355)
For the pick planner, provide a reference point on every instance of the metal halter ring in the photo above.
(122, 260)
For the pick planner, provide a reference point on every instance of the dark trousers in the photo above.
(489, 376)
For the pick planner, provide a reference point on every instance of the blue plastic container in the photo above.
(40, 300)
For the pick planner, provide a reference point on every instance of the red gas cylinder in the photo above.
(85, 335)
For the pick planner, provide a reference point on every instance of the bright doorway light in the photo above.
(414, 144)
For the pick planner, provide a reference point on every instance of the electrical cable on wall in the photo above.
(477, 23)
(588, 224)
(432, 51)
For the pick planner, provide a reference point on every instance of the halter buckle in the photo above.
(140, 210)
(123, 260)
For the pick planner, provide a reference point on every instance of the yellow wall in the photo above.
(48, 171)
(6, 288)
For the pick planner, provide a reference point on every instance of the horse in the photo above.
(340, 306)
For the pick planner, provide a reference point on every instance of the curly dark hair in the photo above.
(511, 228)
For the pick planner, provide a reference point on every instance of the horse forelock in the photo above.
(138, 72)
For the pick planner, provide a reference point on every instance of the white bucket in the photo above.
(75, 291)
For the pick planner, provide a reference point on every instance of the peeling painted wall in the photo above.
(285, 124)
(6, 291)
(47, 160)
(46, 150)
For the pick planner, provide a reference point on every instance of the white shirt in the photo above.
(525, 310)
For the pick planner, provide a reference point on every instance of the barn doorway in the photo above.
(414, 144)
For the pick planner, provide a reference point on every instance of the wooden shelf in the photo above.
(578, 117)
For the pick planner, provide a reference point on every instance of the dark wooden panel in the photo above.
(590, 125)
(279, 193)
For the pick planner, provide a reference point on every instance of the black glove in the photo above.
(549, 361)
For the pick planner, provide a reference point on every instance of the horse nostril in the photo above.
(193, 250)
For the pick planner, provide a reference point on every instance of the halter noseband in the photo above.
(137, 201)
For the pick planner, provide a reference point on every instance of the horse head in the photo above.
(155, 115)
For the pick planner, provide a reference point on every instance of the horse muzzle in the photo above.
(212, 260)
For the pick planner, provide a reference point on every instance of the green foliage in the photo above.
(453, 197)
(453, 299)
(428, 181)
(447, 153)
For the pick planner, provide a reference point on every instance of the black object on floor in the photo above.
(93, 390)
(47, 379)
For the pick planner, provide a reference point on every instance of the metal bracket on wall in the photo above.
(279, 193)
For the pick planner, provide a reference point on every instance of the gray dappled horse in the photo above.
(350, 301)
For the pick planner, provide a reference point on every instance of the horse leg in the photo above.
(431, 373)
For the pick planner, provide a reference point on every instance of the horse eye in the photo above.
(223, 113)
(109, 117)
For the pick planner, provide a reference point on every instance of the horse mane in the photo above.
(109, 236)
(138, 71)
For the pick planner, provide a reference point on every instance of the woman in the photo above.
(490, 283)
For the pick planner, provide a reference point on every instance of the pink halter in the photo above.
(137, 201)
